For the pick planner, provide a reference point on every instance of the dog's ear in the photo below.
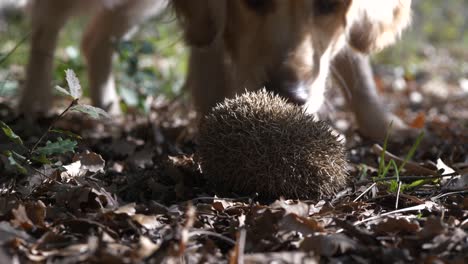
(202, 21)
(372, 24)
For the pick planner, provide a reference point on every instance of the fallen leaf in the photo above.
(419, 122)
(292, 207)
(328, 245)
(21, 219)
(282, 257)
(433, 227)
(73, 170)
(150, 222)
(36, 212)
(146, 247)
(396, 226)
(8, 232)
(441, 166)
(128, 209)
(303, 225)
(90, 161)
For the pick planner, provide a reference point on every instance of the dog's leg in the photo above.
(209, 79)
(354, 75)
(104, 31)
(48, 17)
(107, 27)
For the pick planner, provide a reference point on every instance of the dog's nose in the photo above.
(294, 93)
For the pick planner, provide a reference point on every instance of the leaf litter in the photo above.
(132, 192)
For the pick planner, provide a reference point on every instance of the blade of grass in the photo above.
(413, 149)
(382, 155)
(397, 171)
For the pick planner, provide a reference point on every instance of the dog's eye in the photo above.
(260, 6)
(327, 7)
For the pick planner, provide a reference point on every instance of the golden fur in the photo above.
(286, 46)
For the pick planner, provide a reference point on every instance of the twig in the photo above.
(184, 233)
(366, 191)
(398, 195)
(413, 199)
(237, 253)
(73, 103)
(213, 234)
(401, 178)
(449, 193)
(107, 229)
(412, 208)
(208, 198)
(409, 166)
(241, 246)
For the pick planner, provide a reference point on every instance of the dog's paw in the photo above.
(390, 126)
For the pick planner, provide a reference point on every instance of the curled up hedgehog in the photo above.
(259, 143)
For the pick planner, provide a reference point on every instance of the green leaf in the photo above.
(129, 96)
(73, 84)
(93, 112)
(393, 186)
(412, 150)
(395, 167)
(385, 171)
(382, 155)
(67, 133)
(414, 184)
(363, 171)
(395, 183)
(61, 146)
(63, 91)
(19, 157)
(13, 162)
(42, 159)
(146, 48)
(10, 134)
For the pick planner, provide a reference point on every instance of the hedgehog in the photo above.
(258, 143)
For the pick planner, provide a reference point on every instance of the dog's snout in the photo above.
(288, 84)
(295, 93)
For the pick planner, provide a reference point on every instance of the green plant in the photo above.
(151, 65)
(384, 167)
(43, 152)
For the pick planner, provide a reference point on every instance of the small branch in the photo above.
(184, 232)
(401, 178)
(241, 248)
(464, 191)
(409, 209)
(398, 195)
(212, 234)
(73, 103)
(366, 191)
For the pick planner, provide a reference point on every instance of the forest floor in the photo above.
(130, 190)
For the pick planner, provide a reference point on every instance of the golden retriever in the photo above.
(286, 46)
